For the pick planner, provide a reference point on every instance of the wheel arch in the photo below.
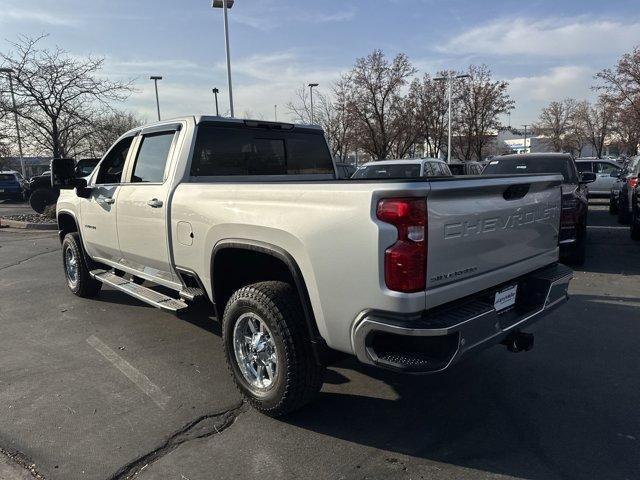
(273, 261)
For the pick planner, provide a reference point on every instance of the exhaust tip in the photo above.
(519, 342)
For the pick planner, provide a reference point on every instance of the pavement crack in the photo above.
(21, 461)
(201, 427)
(27, 259)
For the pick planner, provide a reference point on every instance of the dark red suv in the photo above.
(575, 196)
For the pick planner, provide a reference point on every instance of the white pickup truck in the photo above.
(408, 274)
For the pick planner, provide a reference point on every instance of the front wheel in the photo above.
(635, 227)
(268, 349)
(79, 280)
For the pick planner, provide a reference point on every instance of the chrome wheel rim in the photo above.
(255, 351)
(71, 266)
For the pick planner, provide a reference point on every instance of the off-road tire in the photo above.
(577, 255)
(300, 376)
(85, 286)
(624, 215)
(634, 228)
(41, 198)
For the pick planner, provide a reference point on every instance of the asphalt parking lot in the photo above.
(110, 389)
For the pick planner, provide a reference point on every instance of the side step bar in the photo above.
(144, 294)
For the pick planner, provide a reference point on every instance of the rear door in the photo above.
(143, 201)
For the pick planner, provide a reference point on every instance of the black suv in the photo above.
(575, 196)
(42, 194)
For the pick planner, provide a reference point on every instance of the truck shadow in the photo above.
(606, 242)
(566, 410)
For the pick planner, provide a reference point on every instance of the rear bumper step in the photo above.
(144, 294)
(433, 340)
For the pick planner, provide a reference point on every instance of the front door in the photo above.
(142, 208)
(98, 211)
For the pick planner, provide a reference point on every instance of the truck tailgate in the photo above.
(484, 231)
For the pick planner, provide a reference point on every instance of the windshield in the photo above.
(532, 164)
(400, 170)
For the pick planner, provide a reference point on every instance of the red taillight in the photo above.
(569, 212)
(405, 262)
(632, 182)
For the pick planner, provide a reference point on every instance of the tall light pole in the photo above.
(525, 137)
(155, 79)
(215, 94)
(225, 5)
(449, 79)
(9, 72)
(311, 86)
(275, 112)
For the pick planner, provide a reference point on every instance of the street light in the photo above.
(225, 5)
(525, 137)
(215, 93)
(9, 72)
(275, 112)
(311, 85)
(155, 79)
(449, 79)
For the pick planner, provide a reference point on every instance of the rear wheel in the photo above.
(268, 349)
(624, 216)
(79, 280)
(635, 226)
(578, 252)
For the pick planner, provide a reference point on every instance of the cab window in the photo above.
(584, 167)
(113, 164)
(152, 158)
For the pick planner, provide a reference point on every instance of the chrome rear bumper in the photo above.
(433, 340)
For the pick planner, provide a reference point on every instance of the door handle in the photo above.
(154, 203)
(109, 200)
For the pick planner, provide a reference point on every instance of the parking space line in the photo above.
(136, 376)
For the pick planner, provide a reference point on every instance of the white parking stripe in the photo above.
(136, 376)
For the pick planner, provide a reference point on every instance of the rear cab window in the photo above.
(222, 151)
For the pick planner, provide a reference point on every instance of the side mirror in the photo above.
(587, 177)
(63, 173)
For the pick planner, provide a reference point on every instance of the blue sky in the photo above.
(546, 49)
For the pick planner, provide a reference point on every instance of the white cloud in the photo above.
(557, 83)
(13, 13)
(268, 15)
(260, 82)
(535, 92)
(547, 37)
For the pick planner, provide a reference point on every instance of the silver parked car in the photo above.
(406, 168)
(606, 171)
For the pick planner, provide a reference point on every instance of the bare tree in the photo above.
(106, 128)
(556, 122)
(623, 82)
(622, 85)
(597, 122)
(480, 103)
(626, 132)
(374, 101)
(331, 115)
(431, 107)
(58, 95)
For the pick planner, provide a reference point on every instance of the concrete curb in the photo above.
(27, 225)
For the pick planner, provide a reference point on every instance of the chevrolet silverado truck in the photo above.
(412, 274)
